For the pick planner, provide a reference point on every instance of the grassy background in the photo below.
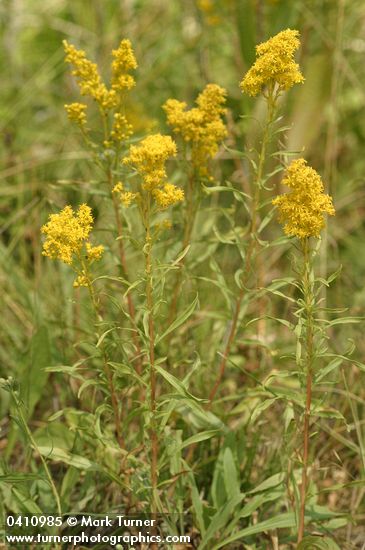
(180, 46)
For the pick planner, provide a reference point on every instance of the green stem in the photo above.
(189, 225)
(113, 396)
(36, 448)
(122, 257)
(151, 338)
(308, 297)
(271, 108)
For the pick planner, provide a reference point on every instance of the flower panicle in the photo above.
(76, 113)
(90, 81)
(202, 126)
(123, 61)
(302, 210)
(275, 64)
(67, 232)
(88, 78)
(149, 159)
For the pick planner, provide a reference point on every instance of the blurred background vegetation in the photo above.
(180, 46)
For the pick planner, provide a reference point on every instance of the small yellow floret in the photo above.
(94, 252)
(121, 129)
(149, 158)
(302, 210)
(127, 198)
(274, 64)
(88, 78)
(76, 113)
(201, 126)
(118, 187)
(81, 280)
(168, 195)
(66, 232)
(124, 61)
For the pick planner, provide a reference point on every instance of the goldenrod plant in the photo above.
(111, 103)
(149, 159)
(302, 213)
(202, 130)
(273, 72)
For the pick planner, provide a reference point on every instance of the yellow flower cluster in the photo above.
(149, 159)
(94, 252)
(89, 80)
(124, 61)
(126, 197)
(66, 232)
(81, 280)
(168, 195)
(201, 126)
(76, 113)
(302, 210)
(121, 129)
(274, 64)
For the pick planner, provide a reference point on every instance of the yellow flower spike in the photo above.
(211, 100)
(121, 129)
(88, 78)
(274, 64)
(81, 280)
(124, 61)
(118, 187)
(76, 112)
(168, 195)
(127, 198)
(202, 126)
(66, 233)
(302, 210)
(85, 219)
(149, 159)
(94, 252)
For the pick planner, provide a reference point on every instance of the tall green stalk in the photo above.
(151, 350)
(249, 267)
(308, 318)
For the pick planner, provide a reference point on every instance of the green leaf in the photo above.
(197, 504)
(345, 321)
(327, 412)
(61, 455)
(175, 383)
(20, 478)
(123, 368)
(27, 505)
(230, 475)
(272, 481)
(282, 521)
(202, 436)
(255, 502)
(261, 408)
(220, 519)
(34, 376)
(322, 373)
(317, 543)
(179, 321)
